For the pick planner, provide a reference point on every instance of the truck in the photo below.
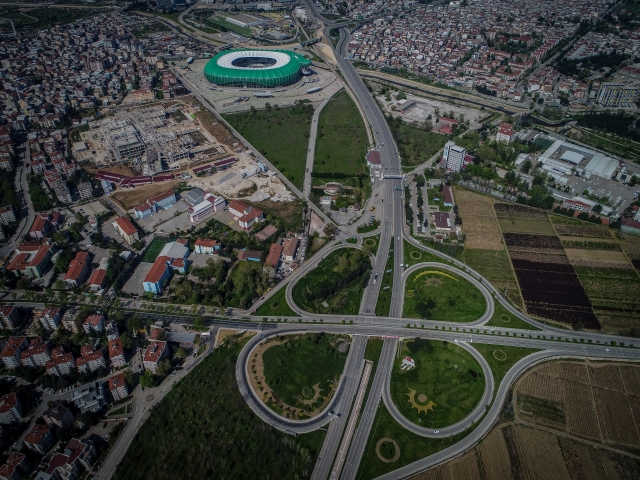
(250, 172)
(314, 89)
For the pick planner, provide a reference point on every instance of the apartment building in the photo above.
(10, 316)
(12, 350)
(156, 352)
(90, 360)
(126, 229)
(78, 269)
(453, 157)
(10, 409)
(116, 353)
(40, 439)
(59, 416)
(61, 363)
(36, 354)
(118, 387)
(50, 318)
(94, 323)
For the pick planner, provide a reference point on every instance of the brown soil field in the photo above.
(532, 226)
(597, 258)
(534, 444)
(631, 379)
(570, 238)
(555, 256)
(129, 198)
(479, 222)
(581, 462)
(542, 386)
(580, 411)
(120, 169)
(464, 469)
(495, 456)
(607, 376)
(209, 121)
(615, 418)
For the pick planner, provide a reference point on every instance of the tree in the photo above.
(128, 376)
(181, 353)
(164, 367)
(330, 230)
(134, 324)
(146, 379)
(23, 283)
(127, 341)
(198, 322)
(59, 285)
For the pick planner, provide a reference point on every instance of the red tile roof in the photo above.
(60, 360)
(36, 434)
(97, 277)
(13, 344)
(274, 254)
(94, 319)
(116, 381)
(126, 226)
(154, 352)
(162, 196)
(8, 469)
(115, 348)
(77, 266)
(8, 402)
(206, 242)
(237, 207)
(158, 269)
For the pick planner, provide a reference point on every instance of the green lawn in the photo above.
(413, 255)
(383, 305)
(505, 319)
(446, 374)
(342, 143)
(154, 249)
(204, 428)
(338, 280)
(294, 368)
(434, 294)
(416, 145)
(501, 358)
(276, 305)
(373, 243)
(373, 350)
(281, 135)
(412, 447)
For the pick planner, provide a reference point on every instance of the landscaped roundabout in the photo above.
(434, 291)
(436, 383)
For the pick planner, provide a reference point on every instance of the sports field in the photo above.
(154, 249)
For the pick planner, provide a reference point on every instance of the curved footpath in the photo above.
(476, 414)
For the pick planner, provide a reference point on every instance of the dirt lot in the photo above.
(596, 258)
(120, 169)
(479, 222)
(129, 198)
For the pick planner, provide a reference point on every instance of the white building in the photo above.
(453, 157)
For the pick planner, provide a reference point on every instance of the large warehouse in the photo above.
(255, 68)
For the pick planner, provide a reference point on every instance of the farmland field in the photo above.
(494, 265)
(443, 388)
(565, 226)
(547, 399)
(442, 295)
(479, 224)
(335, 285)
(154, 249)
(521, 219)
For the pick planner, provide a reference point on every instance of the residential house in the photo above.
(94, 323)
(10, 409)
(90, 360)
(10, 316)
(155, 352)
(273, 258)
(78, 269)
(116, 353)
(16, 467)
(36, 354)
(59, 416)
(127, 229)
(118, 387)
(61, 363)
(442, 221)
(12, 350)
(40, 439)
(50, 318)
(207, 246)
(290, 248)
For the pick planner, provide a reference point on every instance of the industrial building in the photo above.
(562, 159)
(612, 94)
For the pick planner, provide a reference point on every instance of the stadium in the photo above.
(256, 68)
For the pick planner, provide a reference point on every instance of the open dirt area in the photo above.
(479, 223)
(599, 258)
(129, 198)
(224, 333)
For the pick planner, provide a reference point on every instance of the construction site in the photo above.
(149, 140)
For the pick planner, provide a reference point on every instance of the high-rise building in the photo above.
(453, 157)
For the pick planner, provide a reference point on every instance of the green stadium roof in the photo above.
(283, 67)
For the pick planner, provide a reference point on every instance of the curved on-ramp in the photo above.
(271, 417)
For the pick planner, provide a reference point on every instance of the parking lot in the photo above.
(93, 208)
(603, 188)
(170, 219)
(134, 284)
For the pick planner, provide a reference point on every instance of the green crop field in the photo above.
(505, 319)
(276, 305)
(280, 134)
(204, 428)
(341, 144)
(434, 294)
(338, 280)
(302, 366)
(444, 387)
(154, 249)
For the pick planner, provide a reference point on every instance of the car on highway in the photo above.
(375, 279)
(436, 431)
